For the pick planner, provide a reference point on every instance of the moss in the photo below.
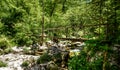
(2, 64)
(25, 64)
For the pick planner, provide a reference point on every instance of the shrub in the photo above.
(78, 62)
(4, 42)
(26, 50)
(57, 58)
(92, 58)
(44, 58)
(8, 50)
(22, 39)
(2, 64)
(25, 64)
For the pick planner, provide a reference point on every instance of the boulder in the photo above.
(52, 66)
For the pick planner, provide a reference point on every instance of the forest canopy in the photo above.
(22, 21)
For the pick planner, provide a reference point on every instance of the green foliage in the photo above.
(82, 62)
(96, 64)
(15, 21)
(77, 62)
(26, 50)
(57, 58)
(8, 50)
(21, 20)
(4, 42)
(21, 39)
(91, 57)
(25, 64)
(2, 64)
(44, 58)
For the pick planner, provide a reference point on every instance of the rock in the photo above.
(54, 50)
(31, 60)
(49, 43)
(65, 56)
(43, 48)
(6, 68)
(52, 66)
(43, 66)
(79, 44)
(38, 67)
(17, 49)
(14, 61)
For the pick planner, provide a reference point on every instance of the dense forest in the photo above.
(94, 22)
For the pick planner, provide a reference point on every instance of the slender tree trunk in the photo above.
(42, 39)
(105, 59)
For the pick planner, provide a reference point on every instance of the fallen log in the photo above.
(74, 39)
